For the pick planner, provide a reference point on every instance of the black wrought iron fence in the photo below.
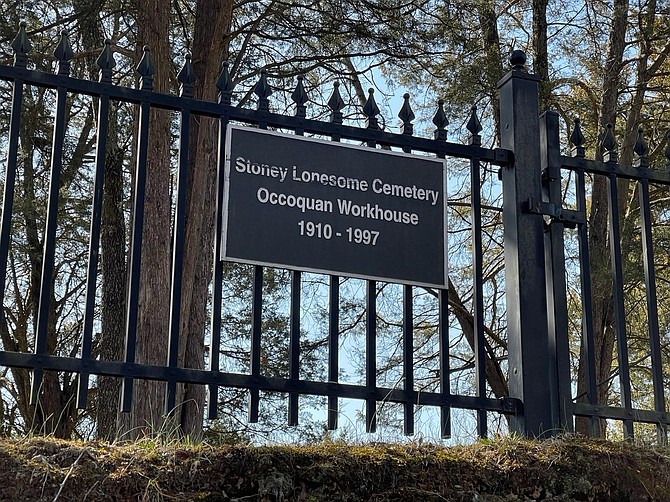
(86, 362)
(542, 391)
(641, 188)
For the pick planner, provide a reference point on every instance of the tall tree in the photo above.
(210, 48)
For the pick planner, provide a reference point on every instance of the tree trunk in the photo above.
(540, 56)
(113, 255)
(210, 48)
(488, 20)
(147, 415)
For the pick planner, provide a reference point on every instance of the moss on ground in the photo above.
(500, 470)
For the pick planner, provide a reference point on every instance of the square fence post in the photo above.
(530, 378)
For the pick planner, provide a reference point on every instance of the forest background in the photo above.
(605, 62)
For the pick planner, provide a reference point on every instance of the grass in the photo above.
(500, 470)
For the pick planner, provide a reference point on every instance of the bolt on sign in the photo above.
(334, 208)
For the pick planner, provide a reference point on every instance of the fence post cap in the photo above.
(518, 59)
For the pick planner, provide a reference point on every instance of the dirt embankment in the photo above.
(505, 469)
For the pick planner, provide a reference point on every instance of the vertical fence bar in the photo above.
(406, 115)
(187, 78)
(256, 317)
(263, 91)
(524, 252)
(10, 182)
(225, 86)
(556, 287)
(440, 134)
(217, 273)
(94, 244)
(333, 347)
(445, 370)
(21, 47)
(335, 104)
(408, 356)
(146, 70)
(299, 97)
(587, 356)
(294, 346)
(588, 340)
(135, 254)
(177, 260)
(478, 293)
(217, 276)
(371, 354)
(619, 310)
(370, 110)
(652, 306)
(47, 277)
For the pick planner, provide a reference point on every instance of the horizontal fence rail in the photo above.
(497, 156)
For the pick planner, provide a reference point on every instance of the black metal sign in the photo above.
(334, 208)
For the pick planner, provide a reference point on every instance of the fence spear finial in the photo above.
(335, 103)
(106, 62)
(300, 97)
(441, 122)
(146, 69)
(225, 85)
(263, 91)
(63, 54)
(474, 126)
(371, 110)
(21, 46)
(186, 77)
(406, 115)
(641, 149)
(577, 139)
(609, 145)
